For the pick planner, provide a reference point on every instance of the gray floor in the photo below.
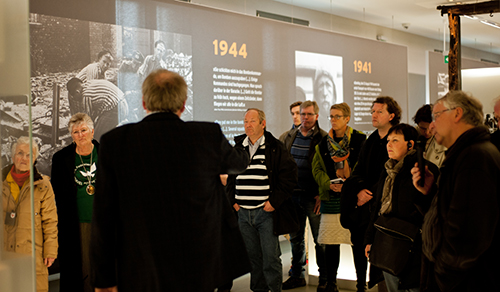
(242, 284)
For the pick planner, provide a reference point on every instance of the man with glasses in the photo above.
(358, 190)
(460, 234)
(301, 143)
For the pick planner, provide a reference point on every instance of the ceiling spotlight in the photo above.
(405, 25)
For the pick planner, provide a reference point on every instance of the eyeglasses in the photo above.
(437, 114)
(336, 118)
(307, 114)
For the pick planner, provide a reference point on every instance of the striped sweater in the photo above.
(252, 186)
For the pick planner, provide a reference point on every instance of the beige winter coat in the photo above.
(17, 237)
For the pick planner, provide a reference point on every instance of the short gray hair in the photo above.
(23, 140)
(79, 118)
(164, 91)
(472, 107)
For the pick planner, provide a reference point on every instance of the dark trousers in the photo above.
(358, 253)
(304, 205)
(332, 256)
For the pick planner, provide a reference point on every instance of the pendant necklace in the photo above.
(90, 188)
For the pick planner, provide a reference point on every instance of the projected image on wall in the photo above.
(320, 78)
(98, 69)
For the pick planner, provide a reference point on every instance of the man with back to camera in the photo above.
(301, 143)
(357, 192)
(256, 193)
(161, 219)
(461, 233)
(295, 112)
(96, 70)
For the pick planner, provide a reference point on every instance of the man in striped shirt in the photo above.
(101, 100)
(256, 193)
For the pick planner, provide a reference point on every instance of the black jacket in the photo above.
(281, 170)
(465, 236)
(62, 178)
(408, 204)
(365, 175)
(160, 211)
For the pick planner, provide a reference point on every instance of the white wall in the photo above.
(483, 84)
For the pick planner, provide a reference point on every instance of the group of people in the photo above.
(149, 208)
(418, 234)
(421, 231)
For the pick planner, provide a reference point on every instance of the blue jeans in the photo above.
(392, 283)
(263, 248)
(305, 209)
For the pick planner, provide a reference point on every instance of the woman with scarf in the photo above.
(17, 206)
(399, 206)
(335, 157)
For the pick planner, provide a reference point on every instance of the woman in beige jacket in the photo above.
(17, 211)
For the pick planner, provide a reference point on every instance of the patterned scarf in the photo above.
(340, 151)
(393, 167)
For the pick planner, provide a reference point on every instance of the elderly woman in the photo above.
(17, 211)
(399, 209)
(73, 179)
(335, 156)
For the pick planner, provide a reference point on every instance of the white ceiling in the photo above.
(421, 15)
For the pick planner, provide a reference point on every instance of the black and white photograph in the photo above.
(320, 78)
(89, 67)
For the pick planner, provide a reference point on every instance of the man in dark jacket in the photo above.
(301, 143)
(256, 193)
(161, 220)
(358, 190)
(295, 113)
(461, 231)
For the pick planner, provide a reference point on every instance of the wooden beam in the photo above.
(455, 55)
(488, 7)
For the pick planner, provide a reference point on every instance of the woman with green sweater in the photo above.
(335, 157)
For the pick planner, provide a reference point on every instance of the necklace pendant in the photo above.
(90, 189)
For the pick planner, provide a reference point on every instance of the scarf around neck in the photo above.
(340, 151)
(392, 167)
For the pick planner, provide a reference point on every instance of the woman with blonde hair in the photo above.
(335, 157)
